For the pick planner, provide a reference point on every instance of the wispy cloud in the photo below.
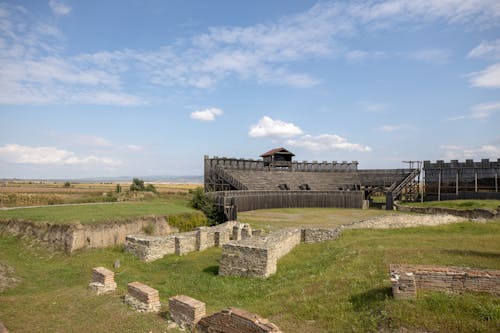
(33, 69)
(19, 154)
(459, 152)
(393, 128)
(59, 8)
(370, 106)
(479, 111)
(486, 50)
(487, 78)
(268, 127)
(436, 56)
(207, 114)
(326, 142)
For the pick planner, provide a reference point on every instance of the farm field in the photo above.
(337, 286)
(23, 193)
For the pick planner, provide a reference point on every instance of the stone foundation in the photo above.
(185, 311)
(406, 280)
(234, 320)
(258, 256)
(142, 297)
(150, 248)
(103, 280)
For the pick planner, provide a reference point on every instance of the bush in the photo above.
(207, 205)
(137, 185)
(187, 221)
(151, 188)
(118, 188)
(67, 184)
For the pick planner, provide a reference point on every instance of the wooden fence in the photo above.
(240, 201)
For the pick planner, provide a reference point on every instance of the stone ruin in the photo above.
(258, 256)
(189, 313)
(150, 248)
(185, 311)
(142, 298)
(103, 280)
(406, 280)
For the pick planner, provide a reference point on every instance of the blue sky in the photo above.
(113, 88)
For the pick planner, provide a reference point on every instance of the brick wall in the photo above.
(234, 320)
(406, 280)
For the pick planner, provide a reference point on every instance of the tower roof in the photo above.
(274, 151)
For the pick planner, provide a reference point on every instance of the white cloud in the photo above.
(458, 152)
(486, 50)
(59, 8)
(393, 128)
(268, 127)
(326, 142)
(18, 154)
(487, 78)
(207, 114)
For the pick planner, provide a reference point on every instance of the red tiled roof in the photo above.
(277, 150)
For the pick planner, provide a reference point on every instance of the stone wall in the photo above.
(258, 256)
(103, 280)
(71, 237)
(406, 280)
(477, 213)
(185, 311)
(234, 320)
(142, 298)
(150, 248)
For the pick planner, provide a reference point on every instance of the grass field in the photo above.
(94, 213)
(458, 204)
(338, 286)
(271, 219)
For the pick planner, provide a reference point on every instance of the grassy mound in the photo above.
(458, 204)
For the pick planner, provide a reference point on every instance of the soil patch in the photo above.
(7, 277)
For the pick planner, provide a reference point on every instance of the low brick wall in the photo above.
(150, 248)
(258, 256)
(142, 298)
(103, 280)
(406, 280)
(477, 213)
(233, 320)
(185, 311)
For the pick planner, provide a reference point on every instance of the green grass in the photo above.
(337, 286)
(271, 219)
(458, 204)
(94, 213)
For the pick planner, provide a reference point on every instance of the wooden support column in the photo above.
(475, 180)
(496, 182)
(439, 185)
(456, 184)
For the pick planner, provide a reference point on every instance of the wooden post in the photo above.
(496, 182)
(456, 184)
(475, 180)
(439, 185)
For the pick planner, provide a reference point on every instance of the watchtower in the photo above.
(278, 159)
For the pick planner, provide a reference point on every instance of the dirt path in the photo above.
(404, 221)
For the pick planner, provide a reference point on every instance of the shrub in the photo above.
(207, 205)
(188, 221)
(118, 188)
(151, 188)
(137, 185)
(67, 184)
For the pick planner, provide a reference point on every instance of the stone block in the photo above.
(246, 231)
(103, 280)
(185, 243)
(185, 311)
(201, 239)
(142, 298)
(233, 320)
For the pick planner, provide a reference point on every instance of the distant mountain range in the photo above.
(155, 178)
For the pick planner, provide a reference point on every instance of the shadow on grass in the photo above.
(214, 270)
(493, 255)
(370, 299)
